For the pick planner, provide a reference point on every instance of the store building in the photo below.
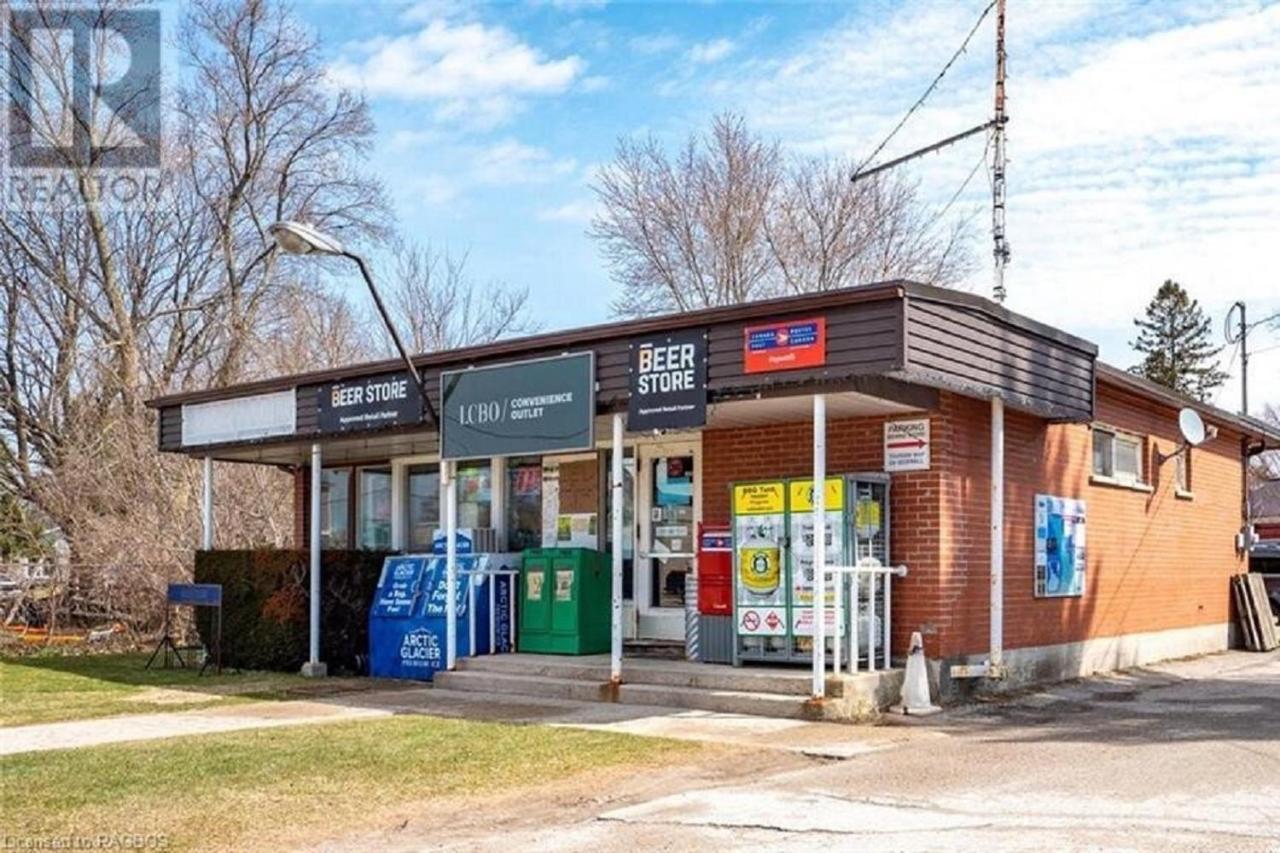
(918, 391)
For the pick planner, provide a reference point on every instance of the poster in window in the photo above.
(1060, 547)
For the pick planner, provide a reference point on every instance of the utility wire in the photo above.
(1235, 351)
(982, 161)
(928, 91)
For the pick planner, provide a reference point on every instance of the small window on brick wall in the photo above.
(1117, 456)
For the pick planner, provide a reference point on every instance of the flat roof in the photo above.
(662, 322)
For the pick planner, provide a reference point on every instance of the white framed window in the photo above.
(1117, 456)
(1182, 475)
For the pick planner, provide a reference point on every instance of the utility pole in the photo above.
(1241, 337)
(1001, 247)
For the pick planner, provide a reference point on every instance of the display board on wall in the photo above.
(1060, 546)
(527, 407)
(668, 381)
(371, 402)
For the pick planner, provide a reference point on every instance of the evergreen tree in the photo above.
(1174, 340)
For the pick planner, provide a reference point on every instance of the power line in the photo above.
(964, 185)
(857, 173)
(1235, 351)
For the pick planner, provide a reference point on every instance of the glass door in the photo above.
(671, 507)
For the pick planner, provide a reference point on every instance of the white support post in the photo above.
(207, 508)
(997, 536)
(853, 622)
(837, 579)
(447, 472)
(615, 643)
(313, 666)
(888, 610)
(819, 545)
(871, 621)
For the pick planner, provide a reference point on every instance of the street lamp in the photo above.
(297, 238)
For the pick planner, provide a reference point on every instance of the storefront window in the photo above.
(373, 510)
(423, 506)
(475, 495)
(335, 507)
(524, 504)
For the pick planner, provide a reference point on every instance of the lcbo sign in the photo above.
(668, 382)
(527, 407)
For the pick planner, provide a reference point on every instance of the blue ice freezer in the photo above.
(407, 618)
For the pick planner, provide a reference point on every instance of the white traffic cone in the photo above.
(916, 700)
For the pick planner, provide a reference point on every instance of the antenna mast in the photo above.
(1001, 248)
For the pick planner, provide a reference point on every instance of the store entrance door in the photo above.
(670, 502)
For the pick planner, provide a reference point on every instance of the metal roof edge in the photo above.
(1113, 375)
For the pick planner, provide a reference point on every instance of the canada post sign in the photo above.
(525, 407)
(789, 345)
(668, 382)
(372, 402)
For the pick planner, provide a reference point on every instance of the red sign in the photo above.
(785, 346)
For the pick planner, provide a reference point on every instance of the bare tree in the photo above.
(442, 307)
(266, 140)
(688, 231)
(729, 219)
(827, 232)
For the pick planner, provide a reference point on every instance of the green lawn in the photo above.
(269, 787)
(48, 688)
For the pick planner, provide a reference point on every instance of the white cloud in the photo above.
(707, 52)
(654, 43)
(471, 70)
(512, 162)
(581, 211)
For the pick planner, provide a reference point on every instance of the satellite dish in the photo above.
(1191, 427)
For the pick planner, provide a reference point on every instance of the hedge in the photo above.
(266, 601)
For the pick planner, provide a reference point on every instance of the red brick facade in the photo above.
(1156, 560)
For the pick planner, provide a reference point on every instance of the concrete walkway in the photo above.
(133, 727)
(823, 740)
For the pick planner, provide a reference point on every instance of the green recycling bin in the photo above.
(564, 601)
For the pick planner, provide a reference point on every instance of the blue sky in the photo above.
(1144, 140)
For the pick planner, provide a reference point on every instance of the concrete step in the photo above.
(579, 690)
(683, 674)
(542, 686)
(721, 701)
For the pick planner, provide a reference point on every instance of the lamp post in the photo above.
(297, 238)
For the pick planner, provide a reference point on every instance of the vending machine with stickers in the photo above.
(773, 539)
(868, 538)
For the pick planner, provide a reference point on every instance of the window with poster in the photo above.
(672, 533)
(475, 495)
(524, 503)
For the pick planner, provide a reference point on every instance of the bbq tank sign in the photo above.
(668, 382)
(371, 402)
(525, 407)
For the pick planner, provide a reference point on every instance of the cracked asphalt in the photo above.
(1184, 756)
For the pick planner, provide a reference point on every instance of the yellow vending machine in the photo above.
(773, 537)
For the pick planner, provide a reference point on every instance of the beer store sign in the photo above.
(527, 407)
(668, 382)
(372, 402)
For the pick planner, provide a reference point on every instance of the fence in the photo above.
(848, 584)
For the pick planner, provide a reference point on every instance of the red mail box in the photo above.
(715, 571)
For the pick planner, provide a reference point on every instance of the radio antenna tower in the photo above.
(1001, 246)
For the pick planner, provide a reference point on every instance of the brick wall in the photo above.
(1154, 560)
(853, 445)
